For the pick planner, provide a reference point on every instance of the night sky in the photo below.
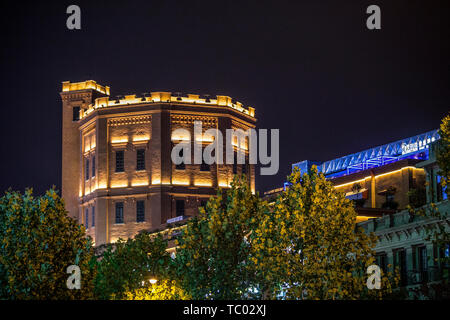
(310, 68)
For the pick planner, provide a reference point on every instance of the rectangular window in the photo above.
(245, 166)
(119, 212)
(400, 262)
(420, 264)
(93, 216)
(93, 166)
(119, 161)
(76, 113)
(86, 217)
(204, 166)
(87, 169)
(140, 159)
(382, 261)
(235, 164)
(180, 208)
(140, 211)
(423, 260)
(180, 166)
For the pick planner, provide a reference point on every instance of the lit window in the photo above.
(119, 212)
(93, 216)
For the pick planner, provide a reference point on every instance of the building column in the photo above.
(101, 223)
(373, 193)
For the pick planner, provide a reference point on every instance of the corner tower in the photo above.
(76, 98)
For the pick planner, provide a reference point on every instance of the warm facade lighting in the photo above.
(141, 138)
(128, 168)
(155, 97)
(180, 137)
(89, 84)
(352, 182)
(203, 184)
(119, 185)
(377, 176)
(180, 182)
(139, 183)
(396, 171)
(119, 141)
(224, 185)
(102, 186)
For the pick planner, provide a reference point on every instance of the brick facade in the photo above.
(107, 129)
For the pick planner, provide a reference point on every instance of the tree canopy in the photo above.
(309, 246)
(127, 265)
(213, 255)
(38, 242)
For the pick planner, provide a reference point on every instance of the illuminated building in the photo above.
(379, 179)
(382, 181)
(117, 173)
(404, 242)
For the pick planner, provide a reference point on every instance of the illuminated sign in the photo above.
(176, 219)
(410, 147)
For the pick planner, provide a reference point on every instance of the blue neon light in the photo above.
(415, 147)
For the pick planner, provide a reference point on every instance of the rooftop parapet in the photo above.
(167, 97)
(88, 84)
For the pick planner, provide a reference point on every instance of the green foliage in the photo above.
(441, 235)
(304, 247)
(162, 290)
(38, 242)
(437, 232)
(356, 187)
(213, 256)
(308, 248)
(443, 151)
(417, 197)
(127, 265)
